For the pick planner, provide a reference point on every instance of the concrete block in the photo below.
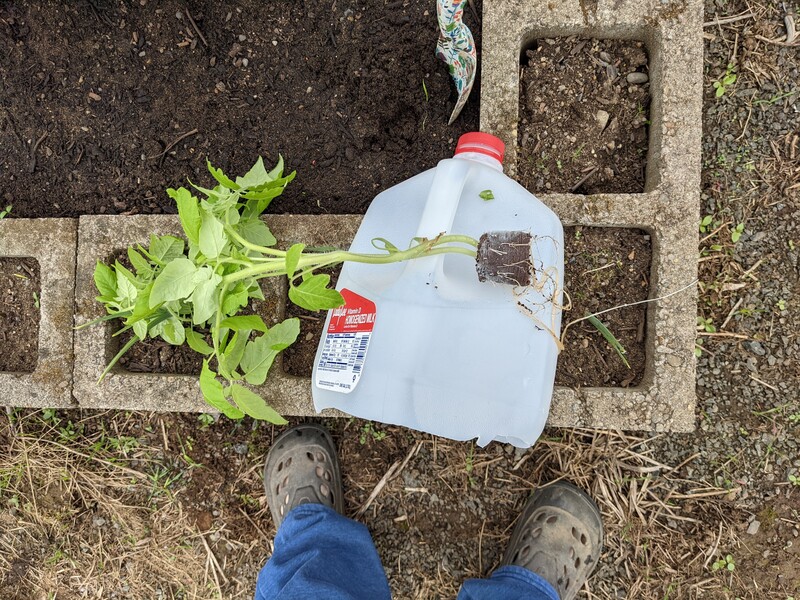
(669, 207)
(99, 237)
(52, 243)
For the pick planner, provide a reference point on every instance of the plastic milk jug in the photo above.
(425, 344)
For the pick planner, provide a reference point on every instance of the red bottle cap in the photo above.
(482, 143)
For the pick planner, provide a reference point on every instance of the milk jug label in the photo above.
(346, 342)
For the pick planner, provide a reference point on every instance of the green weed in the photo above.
(727, 80)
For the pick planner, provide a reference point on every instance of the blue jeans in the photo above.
(319, 554)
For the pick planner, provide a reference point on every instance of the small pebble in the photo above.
(753, 527)
(637, 78)
(245, 62)
(605, 57)
(242, 37)
(179, 15)
(602, 119)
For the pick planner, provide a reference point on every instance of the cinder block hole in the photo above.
(20, 297)
(152, 355)
(584, 115)
(605, 267)
(155, 355)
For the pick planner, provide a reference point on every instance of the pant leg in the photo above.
(322, 554)
(508, 583)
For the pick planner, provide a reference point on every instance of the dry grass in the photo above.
(87, 517)
(77, 523)
(657, 521)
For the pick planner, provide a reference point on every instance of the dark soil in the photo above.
(157, 356)
(583, 124)
(505, 257)
(110, 103)
(19, 314)
(604, 268)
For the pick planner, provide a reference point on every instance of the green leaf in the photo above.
(249, 322)
(165, 248)
(140, 329)
(197, 343)
(215, 395)
(255, 291)
(205, 299)
(175, 282)
(122, 270)
(255, 406)
(188, 212)
(264, 197)
(141, 310)
(260, 353)
(212, 235)
(221, 177)
(314, 293)
(256, 176)
(292, 258)
(126, 290)
(256, 232)
(171, 331)
(140, 263)
(234, 300)
(610, 338)
(105, 280)
(235, 350)
(213, 195)
(277, 170)
(486, 195)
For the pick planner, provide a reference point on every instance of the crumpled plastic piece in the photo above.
(456, 47)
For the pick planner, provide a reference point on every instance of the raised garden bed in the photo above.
(219, 99)
(20, 291)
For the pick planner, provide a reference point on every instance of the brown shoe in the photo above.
(559, 537)
(302, 468)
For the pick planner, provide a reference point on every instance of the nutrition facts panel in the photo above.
(344, 349)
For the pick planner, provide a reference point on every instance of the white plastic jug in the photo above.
(424, 344)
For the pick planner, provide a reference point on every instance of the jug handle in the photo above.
(440, 208)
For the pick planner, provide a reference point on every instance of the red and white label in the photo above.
(346, 342)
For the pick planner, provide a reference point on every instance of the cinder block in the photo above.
(669, 207)
(52, 243)
(99, 237)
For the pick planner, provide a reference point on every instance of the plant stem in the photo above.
(311, 261)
